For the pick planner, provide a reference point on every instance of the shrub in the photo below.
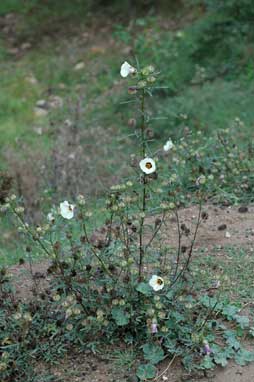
(122, 282)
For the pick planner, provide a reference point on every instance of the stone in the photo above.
(222, 227)
(79, 66)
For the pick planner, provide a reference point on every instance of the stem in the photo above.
(95, 253)
(143, 208)
(35, 237)
(156, 231)
(208, 316)
(186, 265)
(142, 127)
(179, 243)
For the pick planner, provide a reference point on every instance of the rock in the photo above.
(26, 45)
(222, 227)
(55, 102)
(243, 209)
(71, 156)
(39, 112)
(38, 130)
(32, 80)
(42, 104)
(79, 66)
(67, 123)
(227, 235)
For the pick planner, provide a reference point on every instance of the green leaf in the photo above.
(144, 288)
(231, 340)
(147, 371)
(221, 359)
(207, 363)
(153, 353)
(170, 344)
(243, 321)
(170, 295)
(230, 311)
(177, 316)
(120, 316)
(243, 357)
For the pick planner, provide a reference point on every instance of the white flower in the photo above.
(51, 217)
(147, 165)
(168, 145)
(156, 282)
(127, 69)
(67, 210)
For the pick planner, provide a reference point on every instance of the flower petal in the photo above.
(126, 69)
(147, 165)
(66, 210)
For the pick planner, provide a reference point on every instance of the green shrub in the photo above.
(124, 282)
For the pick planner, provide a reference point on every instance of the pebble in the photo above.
(38, 130)
(222, 227)
(41, 103)
(79, 66)
(32, 80)
(39, 112)
(55, 102)
(26, 45)
(243, 209)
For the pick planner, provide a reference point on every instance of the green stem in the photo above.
(142, 127)
(143, 207)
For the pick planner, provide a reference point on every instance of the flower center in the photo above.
(149, 165)
(70, 208)
(159, 281)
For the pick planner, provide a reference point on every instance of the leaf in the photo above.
(207, 363)
(144, 288)
(230, 311)
(243, 357)
(170, 344)
(153, 353)
(231, 340)
(178, 316)
(170, 295)
(243, 321)
(147, 371)
(120, 316)
(221, 359)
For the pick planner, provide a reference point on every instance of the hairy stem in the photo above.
(143, 206)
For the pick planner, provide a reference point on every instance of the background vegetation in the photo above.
(204, 50)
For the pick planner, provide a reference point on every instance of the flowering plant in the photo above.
(124, 281)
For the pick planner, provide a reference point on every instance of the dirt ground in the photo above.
(87, 368)
(224, 226)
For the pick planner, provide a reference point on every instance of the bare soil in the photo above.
(223, 227)
(87, 368)
(212, 233)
